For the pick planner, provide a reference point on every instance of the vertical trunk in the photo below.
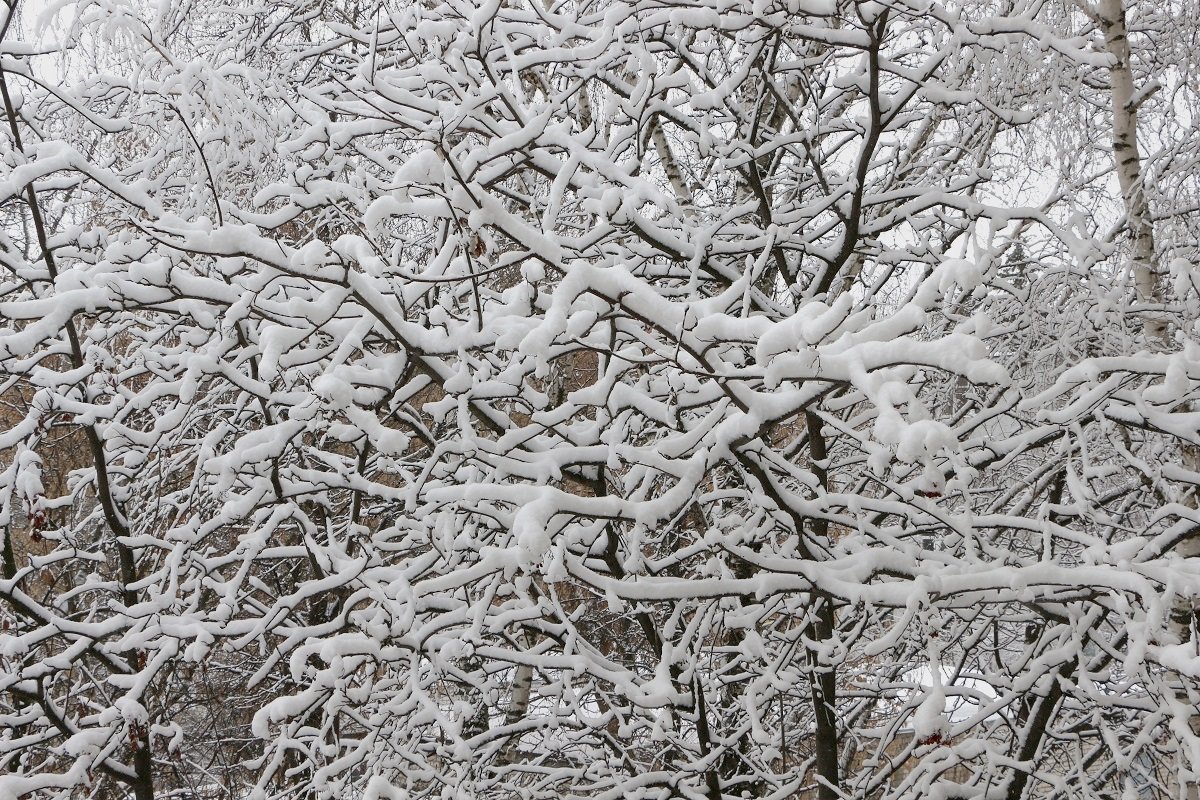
(824, 698)
(1033, 730)
(143, 767)
(518, 705)
(1148, 283)
(1128, 160)
(9, 561)
(824, 680)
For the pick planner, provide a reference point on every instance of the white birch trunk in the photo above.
(1128, 160)
(1148, 283)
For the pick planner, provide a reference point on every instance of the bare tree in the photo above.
(574, 400)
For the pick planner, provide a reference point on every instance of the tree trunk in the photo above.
(1147, 280)
(1128, 161)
